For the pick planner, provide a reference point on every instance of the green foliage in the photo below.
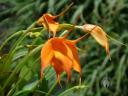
(20, 51)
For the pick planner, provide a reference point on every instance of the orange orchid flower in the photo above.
(48, 21)
(99, 34)
(62, 55)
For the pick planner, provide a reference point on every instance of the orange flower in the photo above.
(99, 34)
(48, 21)
(62, 55)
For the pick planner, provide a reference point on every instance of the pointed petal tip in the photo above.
(109, 56)
(107, 51)
(59, 80)
(41, 74)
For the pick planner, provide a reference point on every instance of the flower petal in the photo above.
(46, 55)
(65, 61)
(98, 33)
(47, 20)
(76, 61)
(58, 68)
(53, 27)
(62, 47)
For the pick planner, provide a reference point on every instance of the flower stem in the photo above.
(52, 88)
(14, 47)
(86, 35)
(70, 89)
(15, 34)
(19, 66)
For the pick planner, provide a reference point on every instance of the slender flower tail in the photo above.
(63, 12)
(66, 34)
(86, 35)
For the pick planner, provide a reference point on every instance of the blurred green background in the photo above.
(103, 77)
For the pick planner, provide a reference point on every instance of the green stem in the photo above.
(119, 42)
(51, 89)
(30, 69)
(19, 66)
(14, 47)
(65, 32)
(70, 89)
(37, 29)
(21, 38)
(15, 34)
(79, 27)
(53, 86)
(38, 91)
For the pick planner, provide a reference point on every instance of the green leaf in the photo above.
(28, 88)
(71, 89)
(20, 54)
(25, 73)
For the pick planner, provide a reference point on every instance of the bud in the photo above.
(34, 35)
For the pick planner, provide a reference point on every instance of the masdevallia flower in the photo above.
(99, 35)
(62, 55)
(49, 23)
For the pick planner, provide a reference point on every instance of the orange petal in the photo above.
(53, 28)
(47, 20)
(59, 45)
(50, 23)
(77, 67)
(69, 52)
(65, 61)
(46, 55)
(76, 61)
(58, 68)
(99, 34)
